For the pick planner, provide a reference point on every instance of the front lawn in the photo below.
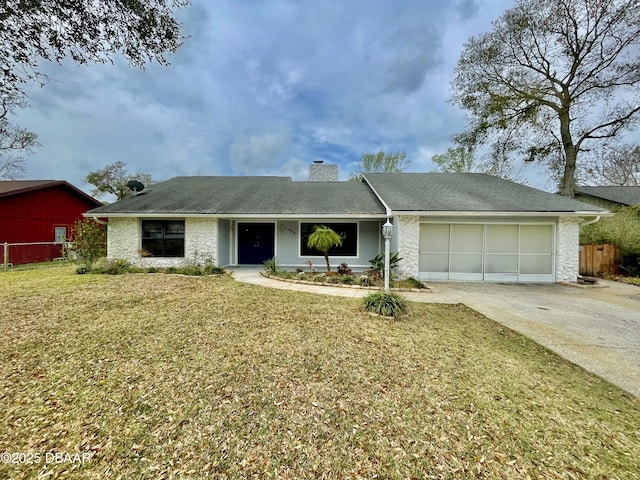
(168, 376)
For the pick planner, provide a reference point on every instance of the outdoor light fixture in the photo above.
(387, 231)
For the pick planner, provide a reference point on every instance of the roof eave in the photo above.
(467, 213)
(232, 215)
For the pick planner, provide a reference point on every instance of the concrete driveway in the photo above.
(596, 328)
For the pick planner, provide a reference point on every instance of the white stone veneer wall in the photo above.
(568, 244)
(124, 241)
(407, 229)
(201, 240)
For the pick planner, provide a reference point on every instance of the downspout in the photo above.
(102, 222)
(387, 238)
(589, 222)
(386, 207)
(388, 211)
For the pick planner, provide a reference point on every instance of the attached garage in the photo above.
(509, 252)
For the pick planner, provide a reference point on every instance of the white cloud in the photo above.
(256, 154)
(265, 88)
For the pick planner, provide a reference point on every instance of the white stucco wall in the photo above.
(124, 241)
(567, 249)
(407, 229)
(200, 236)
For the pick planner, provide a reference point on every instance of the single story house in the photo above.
(609, 197)
(447, 226)
(36, 217)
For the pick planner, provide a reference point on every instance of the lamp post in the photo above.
(387, 231)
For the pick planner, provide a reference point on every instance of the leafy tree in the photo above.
(550, 79)
(620, 166)
(456, 160)
(13, 139)
(623, 230)
(462, 159)
(381, 162)
(324, 239)
(89, 241)
(84, 30)
(113, 179)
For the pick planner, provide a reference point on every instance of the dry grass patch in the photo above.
(160, 376)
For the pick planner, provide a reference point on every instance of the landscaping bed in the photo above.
(363, 280)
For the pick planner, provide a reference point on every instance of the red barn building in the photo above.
(39, 213)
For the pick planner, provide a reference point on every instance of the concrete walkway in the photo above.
(596, 328)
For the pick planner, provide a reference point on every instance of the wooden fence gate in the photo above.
(598, 259)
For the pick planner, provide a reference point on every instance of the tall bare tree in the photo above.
(552, 79)
(14, 140)
(620, 166)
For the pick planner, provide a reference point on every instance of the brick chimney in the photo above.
(323, 172)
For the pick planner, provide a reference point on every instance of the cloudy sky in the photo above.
(265, 88)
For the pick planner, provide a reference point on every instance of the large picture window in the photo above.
(163, 238)
(347, 231)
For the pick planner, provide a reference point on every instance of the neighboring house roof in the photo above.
(248, 196)
(468, 193)
(16, 187)
(621, 195)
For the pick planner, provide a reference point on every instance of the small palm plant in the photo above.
(324, 239)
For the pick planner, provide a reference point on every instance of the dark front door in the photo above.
(256, 242)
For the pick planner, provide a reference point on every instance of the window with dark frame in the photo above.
(347, 231)
(163, 238)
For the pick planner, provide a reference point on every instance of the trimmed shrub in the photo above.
(116, 266)
(211, 269)
(415, 283)
(192, 270)
(388, 304)
(343, 269)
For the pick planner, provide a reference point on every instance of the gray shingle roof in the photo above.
(467, 192)
(402, 192)
(621, 195)
(248, 196)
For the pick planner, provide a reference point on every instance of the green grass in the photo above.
(162, 376)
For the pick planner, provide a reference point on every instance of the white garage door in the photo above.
(493, 252)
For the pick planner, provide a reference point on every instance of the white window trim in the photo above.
(324, 221)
